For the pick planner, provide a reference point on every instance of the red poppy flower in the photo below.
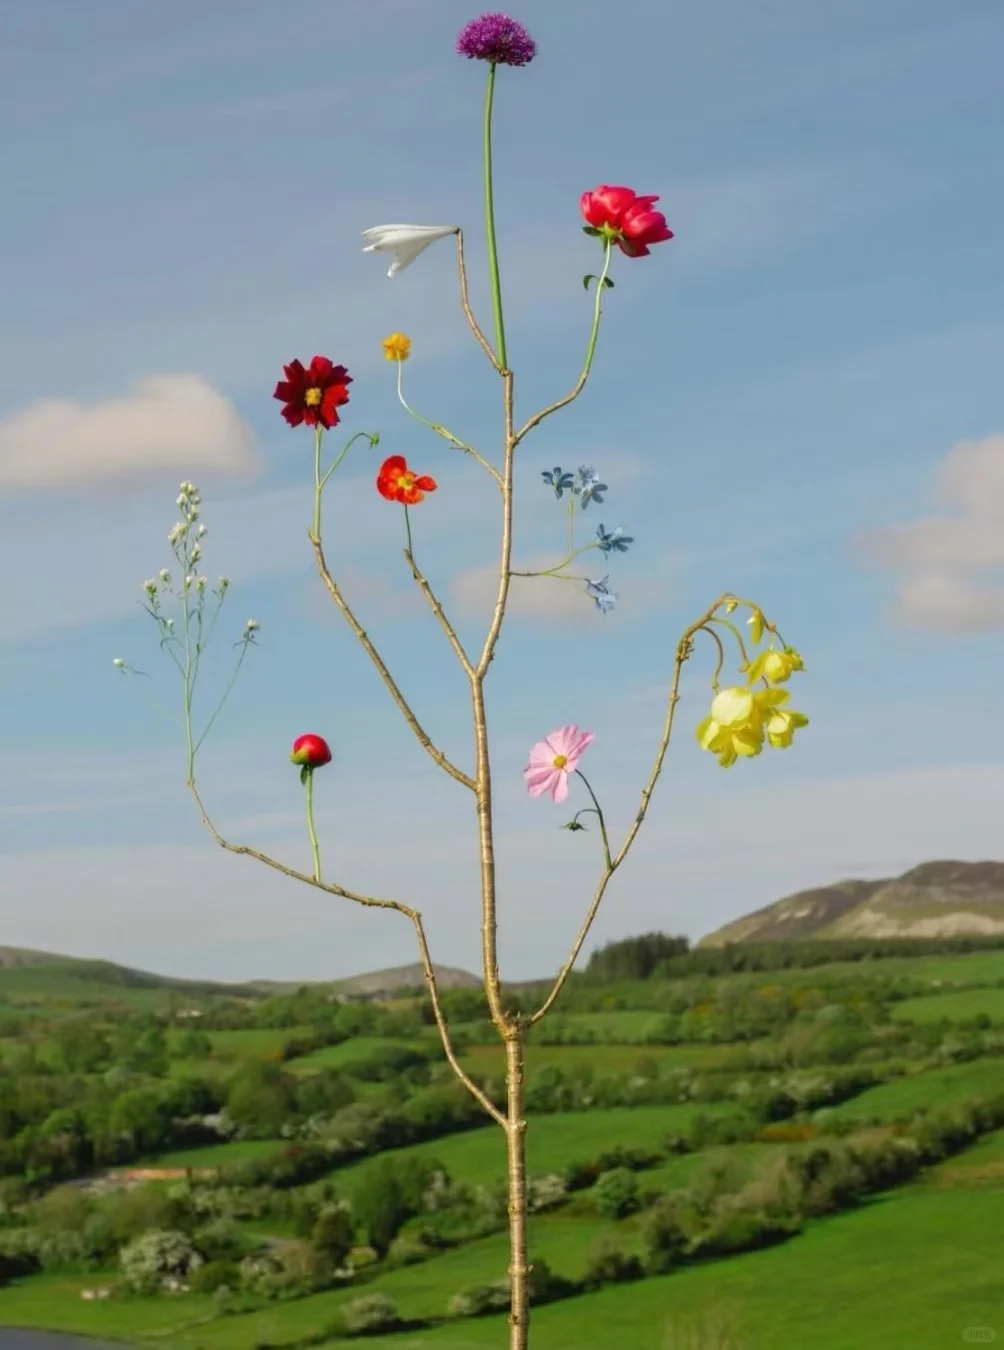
(620, 215)
(312, 396)
(311, 751)
(398, 483)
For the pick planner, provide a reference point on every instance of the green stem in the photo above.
(407, 530)
(188, 681)
(571, 524)
(727, 623)
(226, 695)
(553, 571)
(314, 847)
(603, 824)
(318, 438)
(493, 261)
(370, 436)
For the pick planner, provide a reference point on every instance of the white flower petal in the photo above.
(406, 242)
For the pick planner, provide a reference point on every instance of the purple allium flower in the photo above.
(498, 39)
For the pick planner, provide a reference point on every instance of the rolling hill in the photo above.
(936, 899)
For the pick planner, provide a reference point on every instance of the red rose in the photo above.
(619, 215)
(314, 394)
(311, 751)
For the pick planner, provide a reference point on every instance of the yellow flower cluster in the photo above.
(396, 347)
(743, 719)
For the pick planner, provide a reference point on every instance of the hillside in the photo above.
(937, 899)
(25, 972)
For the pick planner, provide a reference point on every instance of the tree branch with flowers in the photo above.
(744, 717)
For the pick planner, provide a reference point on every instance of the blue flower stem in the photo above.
(571, 525)
(553, 571)
(493, 260)
(608, 856)
(308, 784)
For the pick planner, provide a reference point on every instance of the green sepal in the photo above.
(592, 231)
(305, 773)
(573, 825)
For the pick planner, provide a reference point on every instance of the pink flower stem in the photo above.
(599, 814)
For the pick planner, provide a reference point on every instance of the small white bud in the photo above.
(165, 576)
(203, 529)
(252, 625)
(118, 663)
(150, 587)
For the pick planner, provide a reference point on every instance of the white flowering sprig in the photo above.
(186, 637)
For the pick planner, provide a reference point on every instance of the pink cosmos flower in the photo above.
(553, 759)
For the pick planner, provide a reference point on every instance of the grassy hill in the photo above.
(936, 899)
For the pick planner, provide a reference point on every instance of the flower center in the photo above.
(313, 397)
(560, 761)
(406, 481)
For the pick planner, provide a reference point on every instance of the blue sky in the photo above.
(798, 398)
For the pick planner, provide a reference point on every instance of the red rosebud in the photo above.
(313, 395)
(311, 751)
(398, 483)
(621, 216)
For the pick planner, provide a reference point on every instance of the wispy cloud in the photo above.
(168, 422)
(943, 560)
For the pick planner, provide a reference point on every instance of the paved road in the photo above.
(11, 1339)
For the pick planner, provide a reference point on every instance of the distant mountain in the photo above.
(374, 984)
(936, 899)
(378, 983)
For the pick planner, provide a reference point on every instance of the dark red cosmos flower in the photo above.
(398, 483)
(314, 395)
(311, 751)
(620, 215)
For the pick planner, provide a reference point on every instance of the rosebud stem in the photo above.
(493, 260)
(308, 783)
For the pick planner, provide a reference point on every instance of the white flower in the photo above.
(175, 533)
(118, 663)
(165, 575)
(406, 242)
(203, 529)
(252, 625)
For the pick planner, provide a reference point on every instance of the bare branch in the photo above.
(423, 738)
(466, 303)
(437, 609)
(683, 651)
(370, 902)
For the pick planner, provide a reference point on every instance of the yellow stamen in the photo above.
(560, 761)
(313, 397)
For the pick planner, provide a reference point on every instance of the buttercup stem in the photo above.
(493, 260)
(599, 813)
(440, 430)
(308, 784)
(727, 623)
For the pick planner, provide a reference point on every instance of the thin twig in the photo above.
(683, 651)
(370, 902)
(437, 609)
(445, 432)
(465, 302)
(422, 736)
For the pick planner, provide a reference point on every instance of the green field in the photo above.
(935, 1089)
(348, 1052)
(552, 1142)
(956, 1006)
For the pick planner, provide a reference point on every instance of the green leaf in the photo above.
(305, 773)
(608, 282)
(592, 231)
(587, 279)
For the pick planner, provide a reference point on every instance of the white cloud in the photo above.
(167, 422)
(944, 559)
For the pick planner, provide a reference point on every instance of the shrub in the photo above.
(616, 1193)
(544, 1193)
(608, 1264)
(215, 1275)
(157, 1256)
(369, 1313)
(478, 1299)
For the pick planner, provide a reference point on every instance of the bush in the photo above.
(215, 1275)
(369, 1313)
(615, 1194)
(479, 1299)
(608, 1264)
(157, 1256)
(667, 1231)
